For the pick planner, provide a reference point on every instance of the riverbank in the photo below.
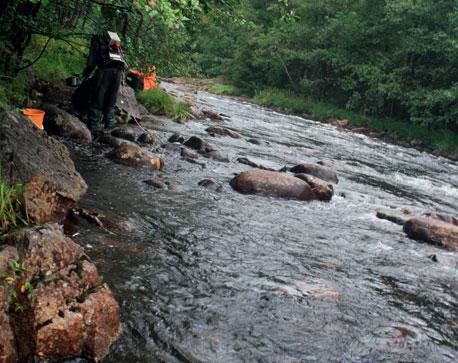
(436, 141)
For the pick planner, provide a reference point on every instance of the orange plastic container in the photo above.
(37, 116)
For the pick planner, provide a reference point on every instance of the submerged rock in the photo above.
(433, 231)
(210, 184)
(188, 153)
(114, 141)
(320, 171)
(127, 132)
(157, 183)
(217, 155)
(213, 131)
(259, 163)
(52, 186)
(131, 155)
(69, 313)
(61, 123)
(272, 184)
(393, 216)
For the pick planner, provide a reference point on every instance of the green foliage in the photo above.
(14, 90)
(11, 215)
(224, 89)
(161, 103)
(389, 59)
(281, 99)
(60, 60)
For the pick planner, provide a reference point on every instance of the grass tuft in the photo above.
(161, 103)
(11, 215)
(281, 99)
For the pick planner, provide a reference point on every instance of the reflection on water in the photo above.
(224, 277)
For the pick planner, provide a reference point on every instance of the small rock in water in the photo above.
(254, 141)
(176, 138)
(157, 183)
(210, 184)
(146, 138)
(320, 171)
(188, 153)
(392, 216)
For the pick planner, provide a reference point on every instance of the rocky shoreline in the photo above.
(55, 305)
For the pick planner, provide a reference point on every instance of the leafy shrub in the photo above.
(161, 103)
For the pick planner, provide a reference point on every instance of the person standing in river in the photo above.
(105, 55)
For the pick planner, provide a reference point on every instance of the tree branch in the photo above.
(36, 59)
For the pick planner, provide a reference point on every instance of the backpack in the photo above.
(110, 51)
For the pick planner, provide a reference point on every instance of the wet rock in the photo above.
(157, 183)
(272, 184)
(327, 163)
(61, 123)
(69, 313)
(433, 231)
(407, 210)
(52, 186)
(443, 217)
(217, 155)
(136, 156)
(188, 153)
(393, 216)
(259, 163)
(254, 141)
(213, 131)
(127, 133)
(301, 289)
(114, 141)
(322, 189)
(197, 162)
(146, 138)
(212, 115)
(176, 138)
(320, 171)
(127, 104)
(58, 94)
(173, 146)
(196, 143)
(196, 112)
(339, 123)
(210, 184)
(7, 340)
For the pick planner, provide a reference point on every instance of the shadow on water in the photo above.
(224, 277)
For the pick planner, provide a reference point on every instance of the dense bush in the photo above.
(396, 59)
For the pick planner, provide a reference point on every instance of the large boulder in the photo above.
(7, 340)
(69, 313)
(272, 184)
(127, 104)
(52, 186)
(60, 122)
(320, 171)
(137, 156)
(433, 231)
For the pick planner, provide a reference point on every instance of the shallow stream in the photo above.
(226, 277)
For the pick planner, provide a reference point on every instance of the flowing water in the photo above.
(226, 277)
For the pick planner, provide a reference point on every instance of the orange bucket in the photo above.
(35, 115)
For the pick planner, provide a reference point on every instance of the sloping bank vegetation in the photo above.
(390, 65)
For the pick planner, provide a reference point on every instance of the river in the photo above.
(226, 277)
